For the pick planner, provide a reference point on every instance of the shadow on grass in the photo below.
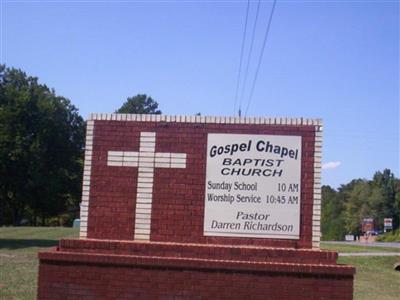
(13, 244)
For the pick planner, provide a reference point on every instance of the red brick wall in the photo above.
(178, 194)
(95, 277)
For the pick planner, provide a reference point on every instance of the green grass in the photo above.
(375, 278)
(356, 248)
(393, 236)
(18, 257)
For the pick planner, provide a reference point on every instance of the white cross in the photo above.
(146, 160)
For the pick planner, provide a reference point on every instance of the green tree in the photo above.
(386, 182)
(139, 104)
(344, 210)
(397, 205)
(332, 221)
(41, 149)
(358, 205)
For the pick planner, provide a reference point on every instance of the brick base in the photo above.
(93, 269)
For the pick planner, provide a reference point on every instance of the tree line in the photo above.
(344, 209)
(42, 139)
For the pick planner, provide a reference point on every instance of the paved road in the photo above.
(368, 244)
(370, 254)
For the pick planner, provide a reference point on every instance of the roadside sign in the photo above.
(387, 224)
(349, 237)
(367, 225)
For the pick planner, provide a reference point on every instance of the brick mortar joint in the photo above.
(72, 243)
(196, 263)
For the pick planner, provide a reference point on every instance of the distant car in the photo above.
(372, 232)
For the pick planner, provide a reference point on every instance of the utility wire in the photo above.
(261, 57)
(241, 57)
(249, 57)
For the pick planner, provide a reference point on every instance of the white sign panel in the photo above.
(387, 222)
(253, 186)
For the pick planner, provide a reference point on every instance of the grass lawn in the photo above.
(375, 277)
(18, 257)
(356, 248)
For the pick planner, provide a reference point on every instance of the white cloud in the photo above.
(331, 165)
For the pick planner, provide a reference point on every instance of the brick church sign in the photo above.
(193, 207)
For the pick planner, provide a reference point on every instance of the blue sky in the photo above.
(335, 60)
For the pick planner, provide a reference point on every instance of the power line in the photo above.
(249, 56)
(261, 57)
(241, 56)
